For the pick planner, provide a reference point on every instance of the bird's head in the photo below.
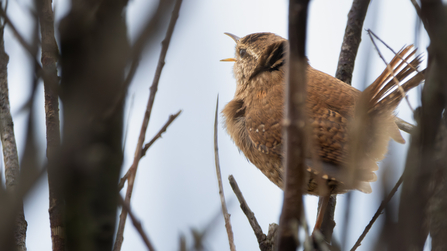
(257, 53)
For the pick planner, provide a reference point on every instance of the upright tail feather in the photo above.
(389, 89)
(374, 119)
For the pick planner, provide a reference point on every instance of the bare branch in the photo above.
(10, 155)
(370, 32)
(396, 82)
(416, 7)
(225, 213)
(158, 135)
(137, 224)
(351, 40)
(32, 50)
(377, 214)
(171, 119)
(404, 125)
(139, 148)
(345, 69)
(143, 38)
(265, 243)
(50, 55)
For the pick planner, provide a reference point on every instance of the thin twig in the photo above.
(144, 38)
(137, 224)
(378, 213)
(172, 117)
(401, 90)
(225, 213)
(139, 148)
(370, 32)
(162, 130)
(31, 49)
(260, 236)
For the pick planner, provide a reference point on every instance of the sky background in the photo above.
(176, 187)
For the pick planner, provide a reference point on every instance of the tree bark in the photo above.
(50, 55)
(11, 159)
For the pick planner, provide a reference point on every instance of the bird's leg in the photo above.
(321, 212)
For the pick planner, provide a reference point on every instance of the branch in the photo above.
(396, 82)
(172, 117)
(32, 50)
(137, 224)
(10, 155)
(416, 7)
(404, 125)
(294, 128)
(162, 130)
(345, 69)
(151, 28)
(377, 214)
(265, 243)
(421, 166)
(50, 55)
(351, 40)
(225, 213)
(139, 148)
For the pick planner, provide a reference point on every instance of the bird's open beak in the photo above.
(228, 60)
(234, 37)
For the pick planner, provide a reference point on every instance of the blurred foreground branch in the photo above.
(294, 128)
(425, 168)
(94, 53)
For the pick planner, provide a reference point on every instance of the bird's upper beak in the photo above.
(235, 38)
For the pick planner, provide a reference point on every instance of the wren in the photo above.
(253, 118)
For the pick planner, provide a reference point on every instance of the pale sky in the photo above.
(176, 187)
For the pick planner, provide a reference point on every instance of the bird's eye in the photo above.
(242, 53)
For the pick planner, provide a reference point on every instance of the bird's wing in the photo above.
(264, 128)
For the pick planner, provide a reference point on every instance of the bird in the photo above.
(254, 117)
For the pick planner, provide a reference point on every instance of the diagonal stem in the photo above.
(161, 62)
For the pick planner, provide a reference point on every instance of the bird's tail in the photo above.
(400, 76)
(374, 121)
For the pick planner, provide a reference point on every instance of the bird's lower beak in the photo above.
(228, 60)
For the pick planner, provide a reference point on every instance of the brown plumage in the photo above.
(254, 117)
